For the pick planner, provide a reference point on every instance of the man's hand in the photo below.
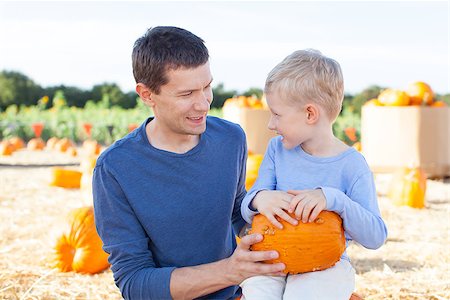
(245, 263)
(307, 204)
(274, 203)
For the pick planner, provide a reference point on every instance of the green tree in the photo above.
(220, 95)
(113, 93)
(359, 99)
(16, 88)
(254, 91)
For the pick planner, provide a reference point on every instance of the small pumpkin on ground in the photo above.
(17, 142)
(91, 147)
(79, 248)
(253, 163)
(51, 143)
(65, 178)
(35, 144)
(6, 148)
(63, 144)
(303, 248)
(408, 187)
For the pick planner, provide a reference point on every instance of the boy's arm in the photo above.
(266, 181)
(236, 218)
(360, 213)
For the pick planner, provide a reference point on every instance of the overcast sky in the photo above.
(86, 43)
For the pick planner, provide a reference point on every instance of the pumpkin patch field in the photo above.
(413, 264)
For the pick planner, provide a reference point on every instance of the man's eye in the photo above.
(186, 94)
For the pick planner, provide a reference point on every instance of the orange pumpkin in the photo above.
(35, 144)
(393, 97)
(244, 102)
(17, 142)
(420, 93)
(72, 151)
(6, 148)
(91, 147)
(408, 187)
(66, 178)
(438, 104)
(357, 146)
(303, 248)
(373, 102)
(79, 248)
(63, 144)
(51, 142)
(253, 163)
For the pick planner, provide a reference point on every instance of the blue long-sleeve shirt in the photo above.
(345, 180)
(156, 210)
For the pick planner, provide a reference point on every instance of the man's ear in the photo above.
(312, 113)
(145, 93)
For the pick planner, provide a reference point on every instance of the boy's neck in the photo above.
(324, 144)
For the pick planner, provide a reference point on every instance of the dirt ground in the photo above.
(413, 264)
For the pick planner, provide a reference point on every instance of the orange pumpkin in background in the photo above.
(420, 93)
(51, 142)
(373, 102)
(79, 248)
(65, 178)
(63, 144)
(439, 104)
(6, 148)
(35, 144)
(303, 248)
(17, 142)
(393, 97)
(408, 187)
(253, 163)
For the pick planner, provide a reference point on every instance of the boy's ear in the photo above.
(145, 93)
(312, 113)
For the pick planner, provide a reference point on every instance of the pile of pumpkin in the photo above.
(9, 146)
(416, 94)
(79, 248)
(252, 102)
(65, 145)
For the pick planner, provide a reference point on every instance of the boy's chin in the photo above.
(287, 145)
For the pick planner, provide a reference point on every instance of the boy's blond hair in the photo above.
(307, 76)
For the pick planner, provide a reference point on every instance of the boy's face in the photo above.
(183, 103)
(288, 120)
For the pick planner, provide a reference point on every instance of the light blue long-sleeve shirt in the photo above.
(345, 180)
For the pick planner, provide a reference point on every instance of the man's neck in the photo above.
(163, 139)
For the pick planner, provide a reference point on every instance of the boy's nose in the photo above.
(271, 124)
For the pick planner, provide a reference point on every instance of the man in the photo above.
(167, 196)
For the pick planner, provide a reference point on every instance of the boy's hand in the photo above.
(274, 203)
(307, 204)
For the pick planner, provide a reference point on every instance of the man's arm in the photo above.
(193, 282)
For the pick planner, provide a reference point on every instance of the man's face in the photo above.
(183, 103)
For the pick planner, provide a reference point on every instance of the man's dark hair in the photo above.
(164, 48)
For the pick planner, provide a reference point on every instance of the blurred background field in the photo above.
(413, 264)
(65, 73)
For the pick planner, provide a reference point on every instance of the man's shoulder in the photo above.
(120, 149)
(218, 126)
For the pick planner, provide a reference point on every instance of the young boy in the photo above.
(306, 169)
